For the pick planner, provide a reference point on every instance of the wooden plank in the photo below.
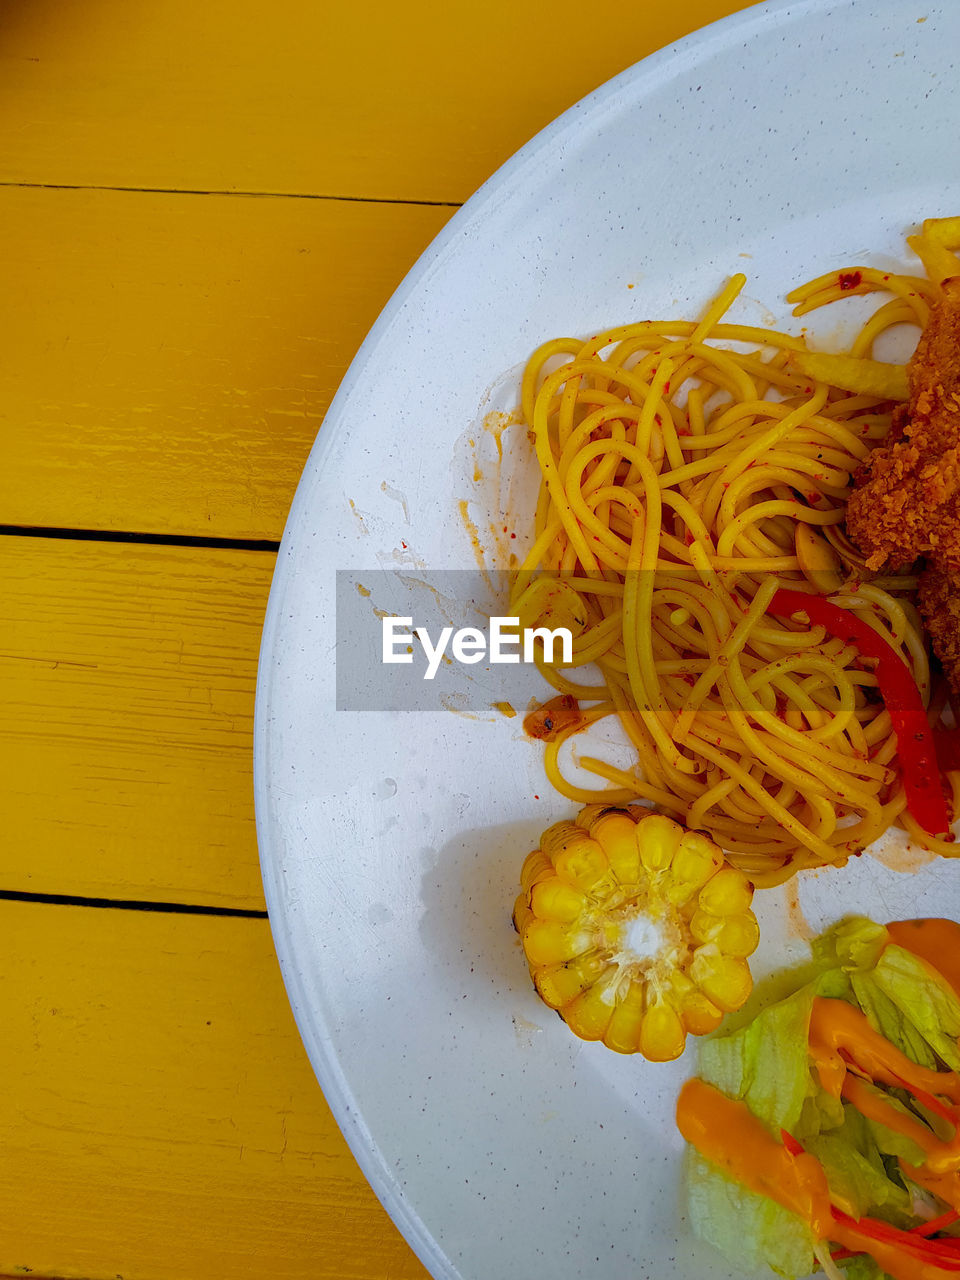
(127, 678)
(158, 1117)
(167, 360)
(418, 101)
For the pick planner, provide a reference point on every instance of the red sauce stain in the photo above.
(797, 923)
(849, 279)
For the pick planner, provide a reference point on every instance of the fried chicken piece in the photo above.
(938, 599)
(906, 498)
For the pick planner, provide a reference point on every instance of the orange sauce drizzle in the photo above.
(729, 1135)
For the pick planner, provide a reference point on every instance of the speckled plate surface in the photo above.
(785, 141)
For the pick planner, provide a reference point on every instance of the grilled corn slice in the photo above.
(636, 930)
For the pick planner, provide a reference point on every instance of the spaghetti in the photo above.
(689, 469)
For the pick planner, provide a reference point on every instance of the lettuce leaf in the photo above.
(751, 1230)
(904, 999)
(889, 1141)
(885, 1016)
(854, 943)
(821, 1112)
(862, 1267)
(855, 1169)
(765, 1063)
(924, 1002)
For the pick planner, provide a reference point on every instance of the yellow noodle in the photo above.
(676, 473)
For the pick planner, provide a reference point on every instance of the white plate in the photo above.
(784, 141)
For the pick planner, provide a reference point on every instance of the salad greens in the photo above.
(767, 1064)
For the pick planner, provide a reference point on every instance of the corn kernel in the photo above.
(623, 1032)
(589, 1014)
(616, 833)
(558, 984)
(549, 941)
(576, 857)
(554, 900)
(740, 935)
(727, 893)
(680, 984)
(700, 1016)
(658, 838)
(697, 859)
(590, 813)
(704, 925)
(662, 1036)
(558, 837)
(522, 915)
(536, 866)
(585, 866)
(724, 980)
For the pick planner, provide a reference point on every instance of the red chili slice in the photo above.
(942, 1253)
(915, 744)
(790, 1142)
(935, 1224)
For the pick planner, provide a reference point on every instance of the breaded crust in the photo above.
(906, 498)
(938, 599)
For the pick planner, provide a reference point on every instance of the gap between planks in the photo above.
(243, 195)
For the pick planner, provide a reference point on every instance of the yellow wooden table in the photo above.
(203, 207)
